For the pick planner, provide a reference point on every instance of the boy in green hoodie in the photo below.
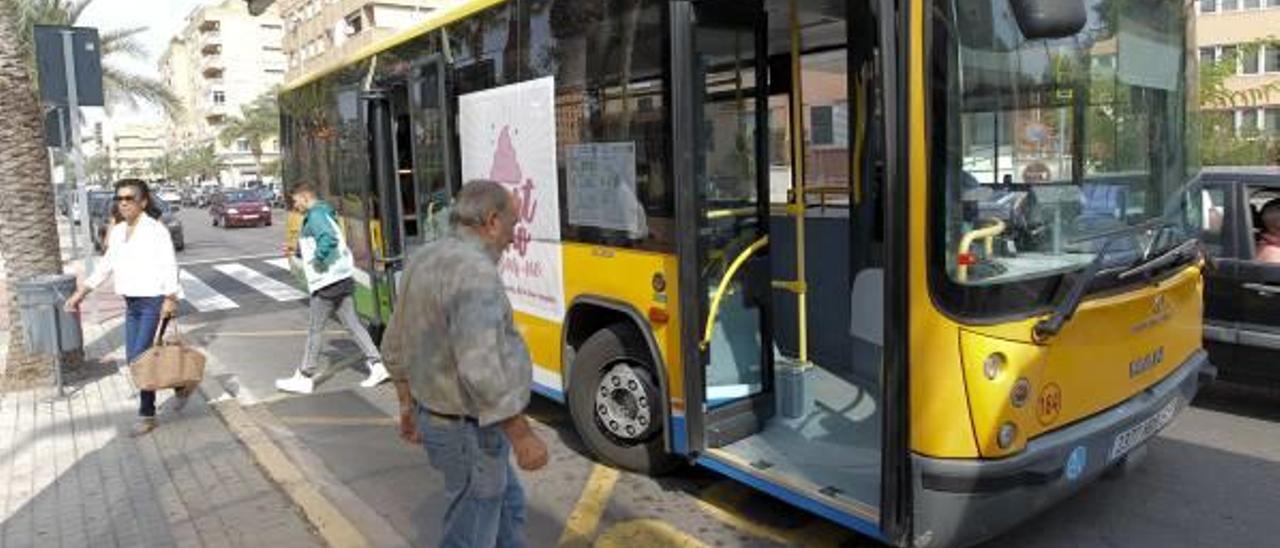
(329, 270)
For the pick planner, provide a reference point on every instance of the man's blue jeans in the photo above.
(485, 501)
(141, 319)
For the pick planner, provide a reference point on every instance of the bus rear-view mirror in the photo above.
(1041, 19)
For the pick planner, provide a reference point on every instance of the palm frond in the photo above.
(127, 46)
(127, 88)
(76, 9)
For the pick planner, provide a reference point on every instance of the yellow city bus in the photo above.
(921, 267)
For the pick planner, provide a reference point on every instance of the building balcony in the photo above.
(210, 25)
(211, 48)
(211, 66)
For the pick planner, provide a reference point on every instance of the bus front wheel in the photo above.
(615, 402)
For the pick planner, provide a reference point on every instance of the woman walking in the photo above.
(140, 253)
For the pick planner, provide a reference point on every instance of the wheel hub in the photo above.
(623, 403)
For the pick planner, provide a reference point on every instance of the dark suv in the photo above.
(1242, 295)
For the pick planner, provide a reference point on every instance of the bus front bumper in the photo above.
(960, 502)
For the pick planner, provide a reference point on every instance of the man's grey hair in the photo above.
(477, 200)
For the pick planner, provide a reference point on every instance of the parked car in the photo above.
(106, 216)
(240, 208)
(1242, 295)
(171, 195)
(96, 200)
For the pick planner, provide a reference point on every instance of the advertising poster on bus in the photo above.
(508, 135)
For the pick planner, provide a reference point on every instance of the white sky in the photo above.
(164, 18)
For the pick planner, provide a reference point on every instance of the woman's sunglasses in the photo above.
(124, 198)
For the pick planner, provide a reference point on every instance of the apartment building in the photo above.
(319, 34)
(133, 148)
(1249, 31)
(222, 59)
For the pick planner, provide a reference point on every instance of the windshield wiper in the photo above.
(1169, 257)
(1045, 329)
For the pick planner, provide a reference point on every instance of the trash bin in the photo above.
(40, 301)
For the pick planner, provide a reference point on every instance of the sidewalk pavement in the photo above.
(70, 475)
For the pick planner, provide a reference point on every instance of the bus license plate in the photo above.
(1140, 432)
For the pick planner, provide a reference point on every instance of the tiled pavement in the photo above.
(70, 475)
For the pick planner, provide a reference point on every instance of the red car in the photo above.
(240, 208)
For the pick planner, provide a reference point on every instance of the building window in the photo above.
(1272, 56)
(1273, 3)
(271, 48)
(1252, 4)
(1208, 6)
(1249, 61)
(1228, 54)
(1249, 122)
(355, 23)
(270, 26)
(242, 145)
(1271, 121)
(274, 71)
(823, 125)
(1206, 56)
(219, 97)
(1230, 5)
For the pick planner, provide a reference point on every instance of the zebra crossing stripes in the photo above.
(279, 263)
(263, 284)
(202, 297)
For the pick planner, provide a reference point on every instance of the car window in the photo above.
(243, 196)
(1267, 242)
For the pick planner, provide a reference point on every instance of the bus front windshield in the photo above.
(1053, 143)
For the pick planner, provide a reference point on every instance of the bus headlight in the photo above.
(1021, 392)
(1008, 433)
(993, 365)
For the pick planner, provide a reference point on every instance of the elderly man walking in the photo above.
(463, 373)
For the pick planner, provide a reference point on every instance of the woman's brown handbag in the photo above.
(168, 363)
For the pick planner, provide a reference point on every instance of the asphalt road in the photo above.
(1211, 479)
(206, 242)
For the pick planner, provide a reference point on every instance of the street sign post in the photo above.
(78, 53)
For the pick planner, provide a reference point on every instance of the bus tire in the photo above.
(615, 401)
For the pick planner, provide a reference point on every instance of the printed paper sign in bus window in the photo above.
(509, 135)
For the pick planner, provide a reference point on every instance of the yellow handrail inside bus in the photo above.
(724, 286)
(733, 212)
(987, 233)
(799, 196)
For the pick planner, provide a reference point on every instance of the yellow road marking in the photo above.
(340, 421)
(332, 525)
(585, 519)
(646, 532)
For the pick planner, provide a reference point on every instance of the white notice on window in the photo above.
(602, 187)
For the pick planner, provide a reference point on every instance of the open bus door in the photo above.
(803, 419)
(719, 58)
(408, 124)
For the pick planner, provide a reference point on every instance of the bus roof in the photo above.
(434, 20)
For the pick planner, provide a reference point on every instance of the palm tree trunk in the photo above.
(28, 232)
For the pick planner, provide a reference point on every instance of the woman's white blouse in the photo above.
(144, 263)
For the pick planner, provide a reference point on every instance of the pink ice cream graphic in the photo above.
(506, 170)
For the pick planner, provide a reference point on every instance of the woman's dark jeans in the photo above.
(141, 319)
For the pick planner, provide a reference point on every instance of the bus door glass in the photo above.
(428, 129)
(734, 380)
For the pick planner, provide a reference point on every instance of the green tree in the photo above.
(98, 168)
(165, 165)
(120, 86)
(200, 163)
(258, 123)
(1220, 142)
